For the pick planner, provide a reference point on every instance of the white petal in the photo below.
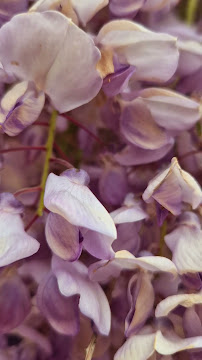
(139, 347)
(171, 302)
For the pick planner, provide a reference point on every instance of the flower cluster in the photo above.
(100, 171)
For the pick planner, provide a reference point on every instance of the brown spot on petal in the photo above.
(15, 63)
(105, 65)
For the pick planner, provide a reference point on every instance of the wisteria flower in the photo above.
(50, 58)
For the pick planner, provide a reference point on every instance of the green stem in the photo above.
(191, 11)
(49, 148)
(91, 347)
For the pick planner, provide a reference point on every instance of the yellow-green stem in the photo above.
(163, 231)
(49, 148)
(191, 11)
(91, 347)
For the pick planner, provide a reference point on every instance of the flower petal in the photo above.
(139, 347)
(138, 126)
(155, 55)
(141, 296)
(166, 346)
(63, 237)
(20, 107)
(49, 55)
(171, 302)
(134, 155)
(170, 109)
(86, 9)
(14, 302)
(73, 279)
(61, 312)
(67, 196)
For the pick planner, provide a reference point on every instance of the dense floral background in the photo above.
(100, 172)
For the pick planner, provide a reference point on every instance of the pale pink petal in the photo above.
(73, 279)
(53, 53)
(170, 109)
(155, 55)
(140, 129)
(68, 196)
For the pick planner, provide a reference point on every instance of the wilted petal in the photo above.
(14, 302)
(73, 279)
(134, 155)
(171, 345)
(20, 107)
(139, 347)
(61, 312)
(185, 242)
(49, 55)
(171, 110)
(173, 186)
(171, 302)
(141, 297)
(86, 9)
(68, 196)
(15, 244)
(63, 237)
(154, 55)
(138, 126)
(132, 211)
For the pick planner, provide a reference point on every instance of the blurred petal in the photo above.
(171, 302)
(154, 55)
(134, 155)
(138, 127)
(171, 110)
(48, 48)
(139, 347)
(73, 279)
(63, 237)
(14, 302)
(61, 312)
(20, 107)
(125, 8)
(141, 296)
(15, 244)
(68, 196)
